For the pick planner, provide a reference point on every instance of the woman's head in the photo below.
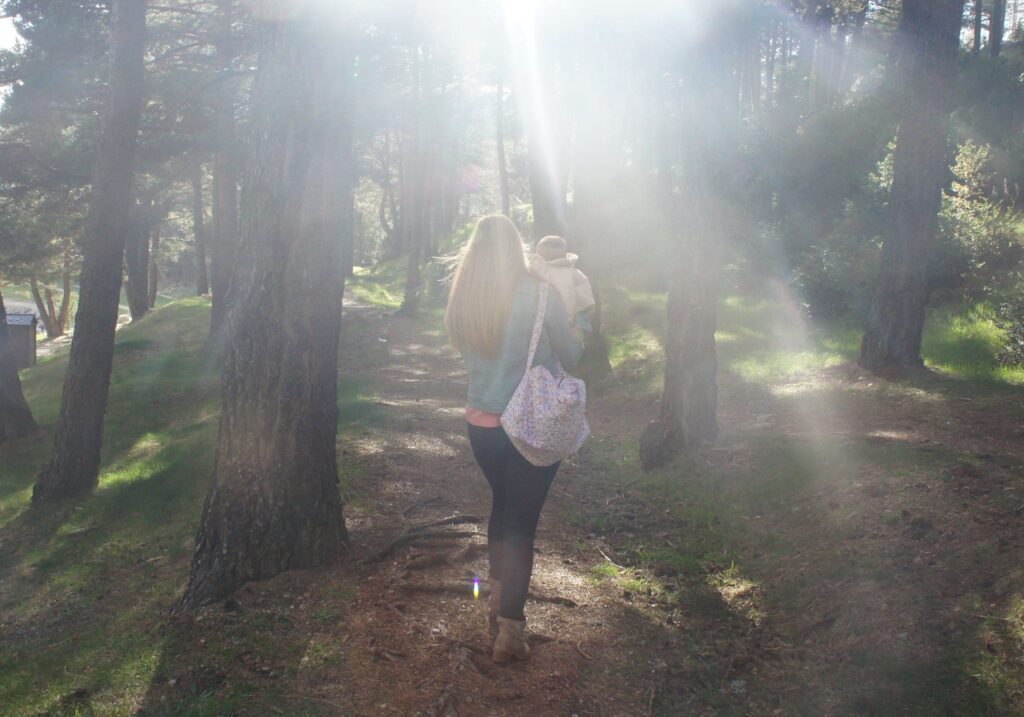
(487, 271)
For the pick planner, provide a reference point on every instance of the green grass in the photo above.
(965, 344)
(382, 286)
(87, 588)
(765, 342)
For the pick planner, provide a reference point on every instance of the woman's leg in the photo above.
(526, 491)
(488, 445)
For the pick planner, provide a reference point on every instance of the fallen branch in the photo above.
(605, 556)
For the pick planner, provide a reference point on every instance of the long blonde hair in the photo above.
(487, 271)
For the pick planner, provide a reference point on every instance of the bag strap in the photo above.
(538, 323)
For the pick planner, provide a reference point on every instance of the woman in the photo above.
(490, 317)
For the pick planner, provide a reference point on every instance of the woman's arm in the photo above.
(564, 341)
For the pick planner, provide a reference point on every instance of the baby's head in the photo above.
(551, 248)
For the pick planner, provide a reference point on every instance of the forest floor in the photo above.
(849, 547)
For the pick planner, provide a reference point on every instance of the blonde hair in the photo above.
(487, 271)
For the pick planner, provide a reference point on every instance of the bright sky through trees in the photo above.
(8, 35)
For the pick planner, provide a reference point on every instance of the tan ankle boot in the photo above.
(511, 642)
(493, 602)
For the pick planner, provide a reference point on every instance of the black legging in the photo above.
(518, 490)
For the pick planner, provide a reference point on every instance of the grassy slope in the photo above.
(85, 590)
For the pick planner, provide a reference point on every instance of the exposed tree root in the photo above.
(421, 504)
(422, 531)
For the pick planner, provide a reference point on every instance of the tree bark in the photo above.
(926, 64)
(224, 240)
(274, 503)
(154, 270)
(199, 229)
(996, 27)
(136, 261)
(689, 401)
(16, 419)
(75, 465)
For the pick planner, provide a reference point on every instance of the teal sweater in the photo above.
(492, 381)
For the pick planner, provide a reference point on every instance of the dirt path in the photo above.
(429, 652)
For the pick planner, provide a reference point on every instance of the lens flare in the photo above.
(476, 588)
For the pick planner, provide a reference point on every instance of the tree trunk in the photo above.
(154, 270)
(689, 401)
(274, 503)
(48, 316)
(926, 63)
(224, 241)
(15, 416)
(199, 229)
(996, 27)
(707, 217)
(499, 125)
(76, 459)
(805, 58)
(979, 22)
(136, 260)
(415, 203)
(65, 299)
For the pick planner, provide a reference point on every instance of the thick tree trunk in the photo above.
(224, 240)
(996, 27)
(689, 401)
(929, 41)
(979, 23)
(274, 503)
(199, 229)
(46, 313)
(499, 126)
(76, 459)
(136, 260)
(154, 270)
(707, 217)
(15, 416)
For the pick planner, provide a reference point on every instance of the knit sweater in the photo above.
(493, 380)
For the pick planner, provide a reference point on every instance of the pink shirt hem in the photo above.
(482, 419)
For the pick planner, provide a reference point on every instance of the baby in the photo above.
(554, 264)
